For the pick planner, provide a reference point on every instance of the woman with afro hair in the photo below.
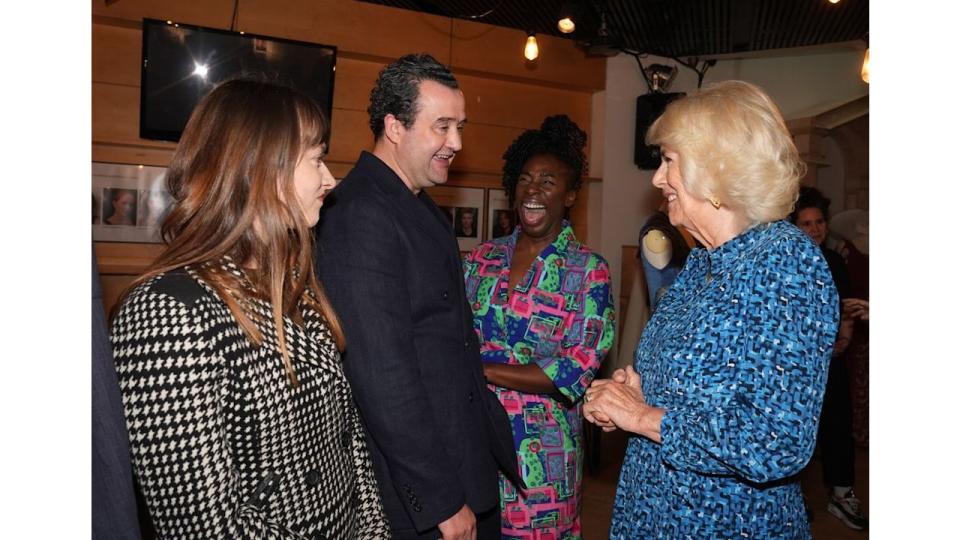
(543, 311)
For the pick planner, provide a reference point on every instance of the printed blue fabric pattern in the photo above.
(737, 354)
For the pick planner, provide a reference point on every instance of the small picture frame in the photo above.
(501, 218)
(129, 202)
(465, 207)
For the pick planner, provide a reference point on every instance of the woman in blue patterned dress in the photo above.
(729, 375)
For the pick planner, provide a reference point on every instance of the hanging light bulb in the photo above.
(565, 19)
(865, 70)
(531, 51)
(834, 1)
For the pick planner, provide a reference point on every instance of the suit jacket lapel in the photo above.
(444, 228)
(420, 209)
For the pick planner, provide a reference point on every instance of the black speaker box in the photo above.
(649, 108)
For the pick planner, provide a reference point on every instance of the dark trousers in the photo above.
(835, 435)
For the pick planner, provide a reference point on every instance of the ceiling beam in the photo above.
(844, 113)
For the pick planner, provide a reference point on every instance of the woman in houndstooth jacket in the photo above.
(242, 424)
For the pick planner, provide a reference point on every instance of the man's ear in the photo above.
(393, 128)
(570, 198)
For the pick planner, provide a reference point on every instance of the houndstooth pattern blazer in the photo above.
(223, 445)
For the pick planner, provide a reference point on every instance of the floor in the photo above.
(600, 485)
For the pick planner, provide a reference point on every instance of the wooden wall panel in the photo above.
(116, 53)
(492, 49)
(353, 81)
(116, 114)
(354, 27)
(212, 13)
(521, 105)
(133, 155)
(349, 134)
(125, 257)
(483, 147)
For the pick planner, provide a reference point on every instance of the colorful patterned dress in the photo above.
(737, 353)
(559, 317)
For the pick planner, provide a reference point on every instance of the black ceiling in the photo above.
(672, 28)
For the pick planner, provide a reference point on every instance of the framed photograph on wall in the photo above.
(465, 208)
(129, 202)
(501, 218)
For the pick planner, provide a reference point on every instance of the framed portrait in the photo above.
(465, 208)
(129, 202)
(501, 218)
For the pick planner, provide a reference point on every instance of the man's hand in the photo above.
(460, 526)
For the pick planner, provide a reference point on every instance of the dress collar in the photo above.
(559, 244)
(726, 256)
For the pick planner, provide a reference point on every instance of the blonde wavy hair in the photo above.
(733, 145)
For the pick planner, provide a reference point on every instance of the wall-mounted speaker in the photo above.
(649, 108)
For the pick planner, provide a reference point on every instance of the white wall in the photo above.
(801, 85)
(830, 178)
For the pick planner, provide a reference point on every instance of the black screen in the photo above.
(172, 84)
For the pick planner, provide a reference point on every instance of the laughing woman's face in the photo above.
(542, 196)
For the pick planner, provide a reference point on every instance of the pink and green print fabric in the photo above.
(559, 317)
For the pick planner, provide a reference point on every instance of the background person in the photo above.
(242, 424)
(544, 313)
(835, 436)
(391, 264)
(733, 362)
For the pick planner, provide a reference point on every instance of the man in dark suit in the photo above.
(389, 262)
(114, 506)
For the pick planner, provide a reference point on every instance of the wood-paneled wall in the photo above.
(505, 94)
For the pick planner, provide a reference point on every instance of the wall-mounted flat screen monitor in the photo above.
(181, 63)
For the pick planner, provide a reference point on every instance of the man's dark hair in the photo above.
(558, 136)
(398, 87)
(810, 197)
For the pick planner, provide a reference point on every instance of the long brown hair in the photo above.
(230, 177)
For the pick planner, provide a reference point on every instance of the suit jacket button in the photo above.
(470, 397)
(345, 438)
(445, 295)
(466, 344)
(313, 477)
